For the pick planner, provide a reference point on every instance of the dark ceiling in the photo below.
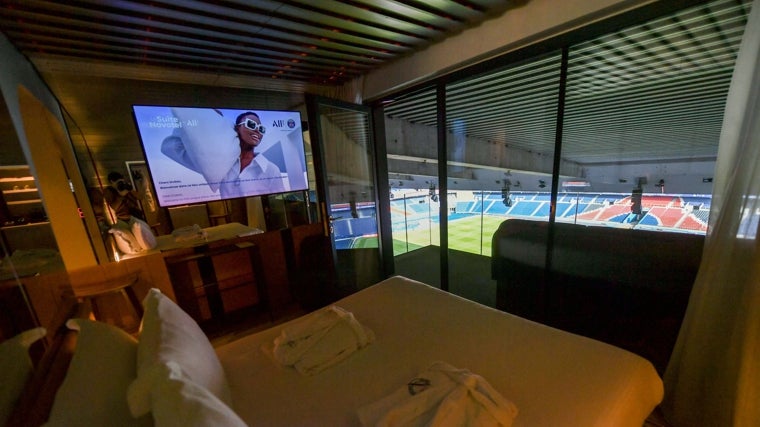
(323, 42)
(652, 91)
(92, 52)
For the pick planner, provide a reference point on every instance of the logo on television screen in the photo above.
(291, 123)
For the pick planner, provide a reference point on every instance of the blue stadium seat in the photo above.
(524, 208)
(363, 226)
(497, 208)
(342, 228)
(649, 219)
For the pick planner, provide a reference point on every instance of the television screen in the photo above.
(202, 154)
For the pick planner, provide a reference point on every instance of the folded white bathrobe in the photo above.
(442, 395)
(320, 340)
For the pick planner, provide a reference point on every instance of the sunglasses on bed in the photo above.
(252, 125)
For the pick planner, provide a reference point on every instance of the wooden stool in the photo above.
(123, 284)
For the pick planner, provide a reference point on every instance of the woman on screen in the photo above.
(251, 173)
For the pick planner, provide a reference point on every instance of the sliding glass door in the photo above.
(348, 189)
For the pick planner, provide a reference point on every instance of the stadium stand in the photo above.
(564, 207)
(663, 217)
(464, 206)
(696, 201)
(342, 228)
(701, 215)
(662, 212)
(543, 210)
(497, 209)
(650, 201)
(691, 222)
(524, 208)
(363, 226)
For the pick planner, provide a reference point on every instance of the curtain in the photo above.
(713, 378)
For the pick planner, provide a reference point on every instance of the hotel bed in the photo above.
(553, 378)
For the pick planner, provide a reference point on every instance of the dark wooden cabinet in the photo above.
(211, 282)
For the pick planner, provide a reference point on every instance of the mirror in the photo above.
(27, 245)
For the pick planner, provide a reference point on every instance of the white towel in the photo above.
(320, 340)
(441, 396)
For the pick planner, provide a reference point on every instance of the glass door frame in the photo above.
(376, 132)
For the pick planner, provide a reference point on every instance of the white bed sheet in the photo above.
(555, 378)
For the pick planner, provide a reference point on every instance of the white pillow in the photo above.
(95, 388)
(15, 368)
(179, 402)
(168, 334)
(143, 234)
(211, 142)
(125, 241)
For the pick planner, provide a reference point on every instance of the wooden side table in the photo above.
(204, 301)
(122, 285)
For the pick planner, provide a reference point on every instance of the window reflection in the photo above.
(642, 120)
(28, 250)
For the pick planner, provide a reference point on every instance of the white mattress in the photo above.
(555, 378)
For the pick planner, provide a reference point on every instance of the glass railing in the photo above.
(474, 216)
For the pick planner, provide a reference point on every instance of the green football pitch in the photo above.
(469, 234)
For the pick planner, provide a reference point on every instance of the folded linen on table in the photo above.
(189, 234)
(320, 340)
(442, 395)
